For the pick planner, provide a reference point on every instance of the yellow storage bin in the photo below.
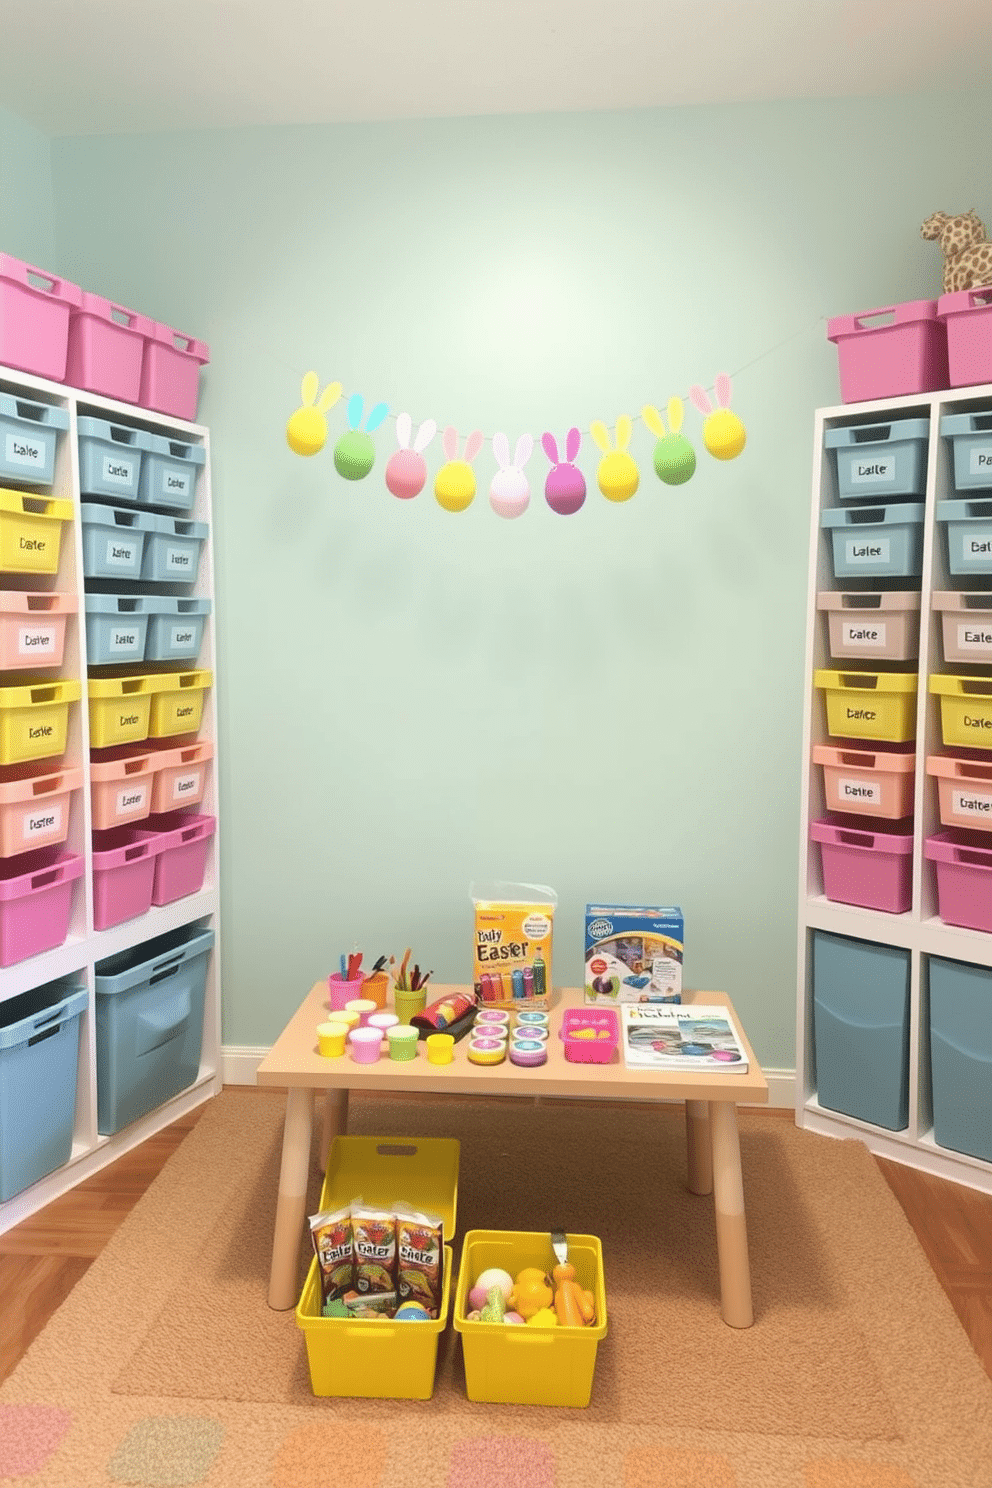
(177, 703)
(965, 710)
(870, 705)
(382, 1360)
(120, 708)
(31, 532)
(34, 720)
(523, 1365)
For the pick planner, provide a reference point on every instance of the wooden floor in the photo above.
(42, 1259)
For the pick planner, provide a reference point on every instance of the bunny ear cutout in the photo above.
(652, 418)
(501, 450)
(404, 425)
(473, 444)
(329, 397)
(522, 453)
(376, 417)
(676, 413)
(601, 435)
(723, 390)
(550, 446)
(700, 399)
(356, 403)
(308, 388)
(449, 440)
(624, 430)
(572, 442)
(425, 434)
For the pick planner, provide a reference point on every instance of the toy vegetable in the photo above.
(532, 1290)
(573, 1306)
(495, 1308)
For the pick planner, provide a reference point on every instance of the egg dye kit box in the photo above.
(511, 957)
(633, 953)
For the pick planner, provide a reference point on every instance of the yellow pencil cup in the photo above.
(440, 1048)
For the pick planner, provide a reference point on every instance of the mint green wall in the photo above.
(608, 703)
(26, 214)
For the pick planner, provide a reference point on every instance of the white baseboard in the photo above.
(238, 1066)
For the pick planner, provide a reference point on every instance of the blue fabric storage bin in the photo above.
(172, 552)
(39, 1055)
(876, 542)
(861, 1029)
(175, 629)
(116, 628)
(113, 541)
(28, 438)
(110, 458)
(149, 1024)
(969, 535)
(971, 440)
(168, 475)
(876, 462)
(961, 1056)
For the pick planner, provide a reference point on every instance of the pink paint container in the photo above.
(383, 1021)
(365, 1044)
(342, 990)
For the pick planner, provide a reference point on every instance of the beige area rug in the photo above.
(166, 1367)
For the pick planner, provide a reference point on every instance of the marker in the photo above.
(518, 983)
(540, 986)
(498, 992)
(528, 981)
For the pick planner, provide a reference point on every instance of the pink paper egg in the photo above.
(406, 474)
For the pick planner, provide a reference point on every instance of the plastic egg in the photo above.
(494, 1277)
(513, 1317)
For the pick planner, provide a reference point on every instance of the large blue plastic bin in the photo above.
(876, 542)
(861, 1029)
(175, 628)
(113, 541)
(173, 549)
(110, 458)
(961, 1056)
(877, 462)
(28, 438)
(116, 628)
(168, 475)
(969, 535)
(39, 1055)
(149, 1024)
(971, 440)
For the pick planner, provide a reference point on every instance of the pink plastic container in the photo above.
(967, 318)
(35, 902)
(181, 855)
(35, 812)
(121, 791)
(889, 352)
(180, 776)
(964, 792)
(123, 874)
(866, 867)
(170, 371)
(597, 1050)
(365, 1044)
(32, 628)
(342, 990)
(964, 880)
(868, 782)
(34, 318)
(106, 348)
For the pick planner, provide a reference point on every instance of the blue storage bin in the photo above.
(168, 475)
(113, 541)
(175, 629)
(116, 628)
(961, 1056)
(971, 440)
(149, 1024)
(28, 438)
(876, 542)
(879, 461)
(39, 1054)
(969, 535)
(861, 1029)
(172, 552)
(110, 458)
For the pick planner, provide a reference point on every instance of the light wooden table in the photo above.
(713, 1145)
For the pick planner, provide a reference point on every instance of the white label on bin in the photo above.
(974, 637)
(175, 483)
(20, 450)
(181, 638)
(179, 560)
(186, 787)
(118, 472)
(132, 800)
(44, 821)
(126, 640)
(971, 803)
(878, 470)
(976, 546)
(38, 641)
(861, 633)
(873, 550)
(862, 792)
(980, 460)
(121, 553)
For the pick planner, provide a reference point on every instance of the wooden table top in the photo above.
(293, 1060)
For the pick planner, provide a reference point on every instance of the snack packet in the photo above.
(375, 1251)
(333, 1244)
(420, 1258)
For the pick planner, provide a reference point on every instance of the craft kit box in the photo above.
(511, 956)
(633, 953)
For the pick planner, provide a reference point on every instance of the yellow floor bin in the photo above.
(177, 704)
(525, 1365)
(965, 710)
(869, 705)
(381, 1359)
(34, 720)
(120, 709)
(31, 532)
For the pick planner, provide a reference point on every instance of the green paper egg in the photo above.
(354, 455)
(674, 460)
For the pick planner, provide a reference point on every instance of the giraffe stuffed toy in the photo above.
(966, 249)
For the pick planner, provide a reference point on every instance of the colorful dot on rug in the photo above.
(167, 1452)
(337, 1456)
(677, 1467)
(497, 1461)
(29, 1435)
(845, 1472)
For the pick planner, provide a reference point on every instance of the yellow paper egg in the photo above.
(724, 435)
(454, 485)
(618, 476)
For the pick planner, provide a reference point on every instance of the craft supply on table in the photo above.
(512, 943)
(528, 1052)
(633, 953)
(452, 1013)
(365, 1044)
(590, 1035)
(532, 1019)
(440, 1048)
(402, 1040)
(383, 1021)
(350, 1020)
(331, 1039)
(484, 1049)
(409, 1004)
(493, 1017)
(363, 1006)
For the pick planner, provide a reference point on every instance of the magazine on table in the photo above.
(681, 1036)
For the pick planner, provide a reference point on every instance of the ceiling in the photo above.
(77, 67)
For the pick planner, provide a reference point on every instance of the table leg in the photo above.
(699, 1147)
(335, 1122)
(291, 1204)
(731, 1229)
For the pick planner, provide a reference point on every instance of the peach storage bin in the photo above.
(121, 791)
(964, 791)
(31, 532)
(966, 624)
(177, 703)
(879, 626)
(32, 628)
(869, 782)
(180, 776)
(34, 812)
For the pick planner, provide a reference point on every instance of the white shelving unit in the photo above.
(920, 931)
(86, 946)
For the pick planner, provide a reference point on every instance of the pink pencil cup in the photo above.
(365, 1045)
(342, 990)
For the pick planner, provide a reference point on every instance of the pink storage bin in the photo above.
(123, 874)
(34, 812)
(180, 776)
(34, 318)
(889, 352)
(967, 319)
(121, 791)
(36, 902)
(964, 791)
(181, 855)
(32, 628)
(964, 880)
(590, 1050)
(106, 348)
(170, 372)
(868, 782)
(866, 867)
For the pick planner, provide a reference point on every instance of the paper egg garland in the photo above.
(454, 484)
(674, 456)
(565, 485)
(618, 476)
(723, 433)
(509, 490)
(406, 473)
(306, 432)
